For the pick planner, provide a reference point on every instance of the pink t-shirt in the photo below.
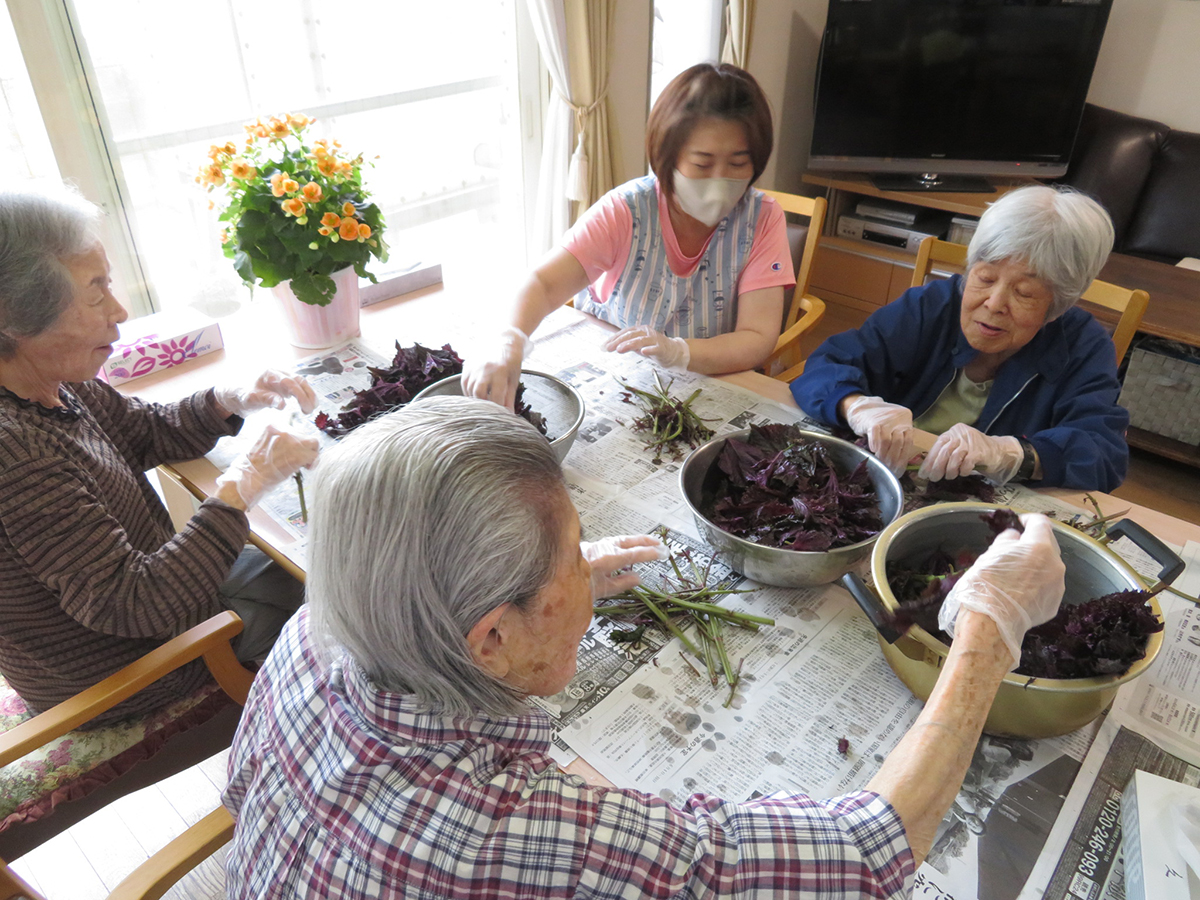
(600, 240)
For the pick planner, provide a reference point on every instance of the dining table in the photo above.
(254, 339)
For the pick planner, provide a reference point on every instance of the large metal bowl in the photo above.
(1024, 707)
(558, 402)
(772, 565)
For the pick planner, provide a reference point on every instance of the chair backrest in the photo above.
(13, 886)
(1130, 303)
(814, 208)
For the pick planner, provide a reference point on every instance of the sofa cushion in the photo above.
(1166, 225)
(1112, 159)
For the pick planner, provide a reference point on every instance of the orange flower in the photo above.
(327, 166)
(290, 185)
(325, 231)
(348, 230)
(348, 208)
(294, 206)
(215, 152)
(224, 237)
(212, 175)
(279, 128)
(239, 168)
(312, 192)
(257, 129)
(277, 187)
(364, 231)
(331, 220)
(299, 120)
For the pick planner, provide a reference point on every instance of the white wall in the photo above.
(1149, 63)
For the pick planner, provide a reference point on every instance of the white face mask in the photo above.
(708, 200)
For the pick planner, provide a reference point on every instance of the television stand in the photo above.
(932, 181)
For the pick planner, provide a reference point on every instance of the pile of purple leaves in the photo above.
(949, 490)
(412, 370)
(1102, 636)
(781, 489)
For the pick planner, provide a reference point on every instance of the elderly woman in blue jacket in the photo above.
(1018, 383)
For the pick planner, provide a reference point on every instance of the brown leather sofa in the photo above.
(1147, 175)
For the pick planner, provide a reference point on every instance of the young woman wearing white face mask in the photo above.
(690, 262)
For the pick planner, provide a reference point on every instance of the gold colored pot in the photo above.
(1024, 707)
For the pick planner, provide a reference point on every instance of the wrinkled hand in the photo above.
(609, 555)
(887, 428)
(271, 390)
(1017, 582)
(963, 449)
(275, 456)
(495, 375)
(669, 352)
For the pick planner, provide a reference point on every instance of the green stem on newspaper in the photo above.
(300, 490)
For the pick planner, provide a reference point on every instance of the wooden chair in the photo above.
(1128, 303)
(209, 640)
(13, 886)
(804, 311)
(159, 873)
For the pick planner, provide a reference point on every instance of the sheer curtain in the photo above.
(739, 23)
(575, 38)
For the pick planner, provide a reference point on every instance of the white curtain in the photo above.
(575, 38)
(739, 22)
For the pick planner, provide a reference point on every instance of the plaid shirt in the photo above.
(343, 790)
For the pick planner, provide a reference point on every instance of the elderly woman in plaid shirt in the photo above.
(387, 749)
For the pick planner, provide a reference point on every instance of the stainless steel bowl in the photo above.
(771, 565)
(558, 402)
(1024, 707)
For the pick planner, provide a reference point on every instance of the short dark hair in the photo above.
(707, 91)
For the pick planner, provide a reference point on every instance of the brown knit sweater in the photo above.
(92, 575)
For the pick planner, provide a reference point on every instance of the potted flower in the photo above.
(297, 218)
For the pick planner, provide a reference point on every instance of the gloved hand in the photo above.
(494, 376)
(275, 456)
(1017, 582)
(608, 555)
(963, 449)
(887, 428)
(270, 390)
(669, 352)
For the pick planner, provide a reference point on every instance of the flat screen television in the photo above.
(913, 91)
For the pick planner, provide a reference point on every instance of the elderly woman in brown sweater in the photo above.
(92, 574)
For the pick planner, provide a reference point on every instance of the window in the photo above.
(25, 153)
(686, 32)
(429, 88)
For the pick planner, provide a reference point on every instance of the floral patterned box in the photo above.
(157, 342)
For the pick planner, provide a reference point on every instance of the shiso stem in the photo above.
(690, 602)
(300, 490)
(669, 421)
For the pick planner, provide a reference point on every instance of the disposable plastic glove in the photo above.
(887, 428)
(669, 352)
(1017, 582)
(963, 449)
(608, 556)
(271, 390)
(495, 375)
(275, 456)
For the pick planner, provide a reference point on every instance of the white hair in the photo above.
(1062, 235)
(423, 521)
(38, 231)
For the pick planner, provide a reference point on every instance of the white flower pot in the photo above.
(317, 327)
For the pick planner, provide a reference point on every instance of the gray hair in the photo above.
(1064, 236)
(423, 521)
(37, 232)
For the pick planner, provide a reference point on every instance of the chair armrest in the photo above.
(813, 311)
(13, 886)
(155, 876)
(209, 639)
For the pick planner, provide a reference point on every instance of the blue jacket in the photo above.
(1059, 391)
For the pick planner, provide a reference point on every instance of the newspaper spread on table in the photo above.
(647, 718)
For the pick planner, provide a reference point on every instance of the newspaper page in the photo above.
(1154, 725)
